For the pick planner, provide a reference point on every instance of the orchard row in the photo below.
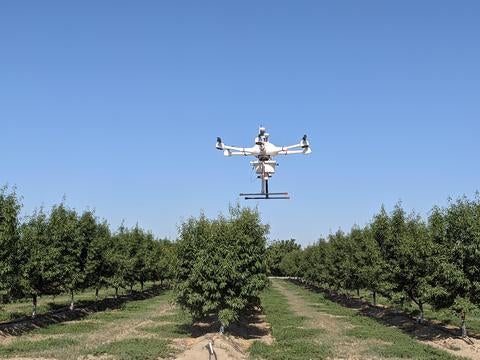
(62, 251)
(402, 257)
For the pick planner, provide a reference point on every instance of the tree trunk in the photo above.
(464, 326)
(141, 285)
(374, 293)
(71, 300)
(96, 294)
(116, 292)
(358, 292)
(420, 317)
(161, 281)
(131, 288)
(34, 305)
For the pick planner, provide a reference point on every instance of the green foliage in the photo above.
(61, 251)
(403, 258)
(67, 240)
(40, 270)
(276, 251)
(317, 262)
(97, 268)
(9, 237)
(221, 264)
(162, 262)
(290, 264)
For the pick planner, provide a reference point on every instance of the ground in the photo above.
(350, 329)
(293, 323)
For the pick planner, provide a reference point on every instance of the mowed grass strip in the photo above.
(140, 329)
(34, 347)
(381, 341)
(23, 307)
(445, 316)
(172, 325)
(293, 339)
(136, 349)
(77, 327)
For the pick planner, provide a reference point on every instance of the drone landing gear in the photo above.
(265, 195)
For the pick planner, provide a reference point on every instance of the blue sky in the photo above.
(117, 105)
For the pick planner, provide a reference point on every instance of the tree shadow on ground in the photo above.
(428, 331)
(250, 326)
(63, 313)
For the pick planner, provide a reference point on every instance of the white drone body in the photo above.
(265, 165)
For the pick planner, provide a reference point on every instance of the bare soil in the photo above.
(233, 345)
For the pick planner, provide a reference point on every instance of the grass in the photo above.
(173, 325)
(135, 349)
(96, 334)
(34, 347)
(23, 307)
(144, 329)
(80, 327)
(293, 339)
(381, 341)
(445, 316)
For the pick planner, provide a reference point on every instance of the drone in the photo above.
(264, 165)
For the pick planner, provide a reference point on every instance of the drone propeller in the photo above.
(304, 142)
(219, 144)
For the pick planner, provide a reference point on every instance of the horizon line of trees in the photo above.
(403, 257)
(62, 251)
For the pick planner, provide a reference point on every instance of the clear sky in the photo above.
(117, 105)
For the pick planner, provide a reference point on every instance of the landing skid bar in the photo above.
(265, 195)
(262, 194)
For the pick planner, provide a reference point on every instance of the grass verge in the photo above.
(379, 341)
(293, 339)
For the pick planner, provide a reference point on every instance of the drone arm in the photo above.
(235, 153)
(304, 145)
(291, 152)
(291, 147)
(232, 150)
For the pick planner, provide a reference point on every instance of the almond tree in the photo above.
(40, 270)
(162, 260)
(221, 264)
(97, 267)
(117, 260)
(276, 251)
(381, 232)
(9, 236)
(291, 263)
(317, 264)
(66, 236)
(457, 232)
(372, 267)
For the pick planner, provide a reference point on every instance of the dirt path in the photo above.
(231, 346)
(431, 334)
(344, 347)
(120, 330)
